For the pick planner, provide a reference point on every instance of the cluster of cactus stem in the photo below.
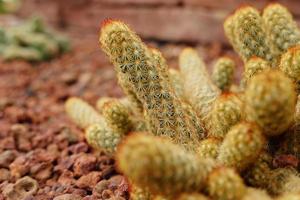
(183, 134)
(31, 40)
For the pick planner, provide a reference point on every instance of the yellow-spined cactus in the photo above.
(291, 141)
(177, 82)
(163, 167)
(100, 137)
(225, 184)
(241, 146)
(254, 66)
(117, 116)
(229, 29)
(227, 111)
(146, 77)
(250, 35)
(270, 100)
(290, 65)
(258, 174)
(137, 193)
(289, 196)
(193, 196)
(256, 194)
(81, 113)
(223, 73)
(209, 148)
(284, 180)
(199, 89)
(282, 31)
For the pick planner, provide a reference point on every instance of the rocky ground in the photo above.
(43, 155)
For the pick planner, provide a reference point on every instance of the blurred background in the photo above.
(55, 55)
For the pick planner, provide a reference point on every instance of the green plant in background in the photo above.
(31, 40)
(194, 137)
(9, 6)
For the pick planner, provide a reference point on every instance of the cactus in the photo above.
(229, 29)
(82, 113)
(209, 148)
(226, 112)
(283, 180)
(102, 138)
(163, 168)
(241, 146)
(290, 65)
(250, 36)
(223, 73)
(265, 103)
(14, 52)
(177, 82)
(193, 196)
(281, 29)
(117, 116)
(197, 84)
(143, 73)
(137, 193)
(254, 66)
(225, 184)
(9, 6)
(253, 193)
(289, 196)
(259, 172)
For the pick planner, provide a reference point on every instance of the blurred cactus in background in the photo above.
(183, 134)
(9, 6)
(31, 40)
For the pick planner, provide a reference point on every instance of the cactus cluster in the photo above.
(31, 40)
(183, 134)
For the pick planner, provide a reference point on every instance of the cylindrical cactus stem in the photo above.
(250, 36)
(163, 167)
(241, 146)
(225, 184)
(100, 137)
(288, 196)
(229, 29)
(258, 174)
(270, 101)
(223, 73)
(284, 180)
(137, 193)
(227, 111)
(81, 113)
(177, 82)
(145, 76)
(254, 66)
(209, 148)
(282, 31)
(117, 116)
(192, 196)
(290, 65)
(254, 193)
(291, 141)
(197, 84)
